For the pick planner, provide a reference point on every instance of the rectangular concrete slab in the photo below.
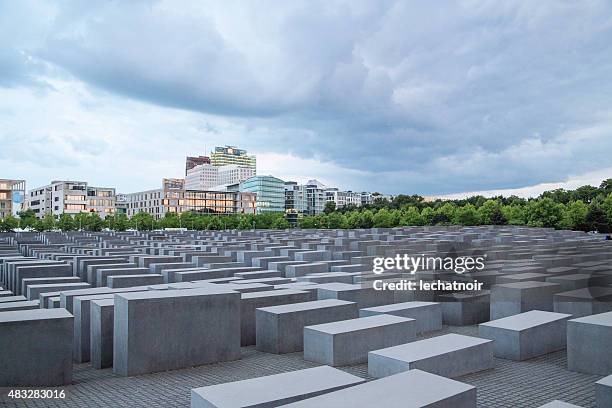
(279, 329)
(526, 335)
(36, 348)
(425, 390)
(451, 355)
(273, 390)
(162, 330)
(348, 342)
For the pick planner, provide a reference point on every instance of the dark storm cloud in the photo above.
(427, 97)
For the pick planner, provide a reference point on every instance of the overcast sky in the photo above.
(432, 98)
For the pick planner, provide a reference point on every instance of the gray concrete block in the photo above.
(451, 355)
(588, 344)
(102, 313)
(169, 329)
(465, 308)
(603, 392)
(584, 302)
(427, 315)
(362, 295)
(103, 274)
(128, 281)
(41, 281)
(280, 329)
(23, 305)
(273, 390)
(526, 335)
(36, 348)
(348, 342)
(82, 326)
(426, 390)
(253, 300)
(513, 298)
(35, 290)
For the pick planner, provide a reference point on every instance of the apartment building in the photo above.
(307, 199)
(342, 198)
(173, 196)
(71, 197)
(12, 194)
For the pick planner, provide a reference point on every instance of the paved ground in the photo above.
(510, 384)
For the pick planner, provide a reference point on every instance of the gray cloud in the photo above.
(430, 98)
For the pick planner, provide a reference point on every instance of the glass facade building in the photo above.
(270, 193)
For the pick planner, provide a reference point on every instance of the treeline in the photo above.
(142, 222)
(587, 208)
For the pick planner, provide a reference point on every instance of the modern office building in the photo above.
(174, 197)
(270, 193)
(224, 155)
(192, 161)
(207, 176)
(71, 197)
(12, 196)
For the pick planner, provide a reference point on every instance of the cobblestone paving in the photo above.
(510, 384)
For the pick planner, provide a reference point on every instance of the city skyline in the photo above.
(360, 95)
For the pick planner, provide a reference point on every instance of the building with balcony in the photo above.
(12, 196)
(270, 193)
(342, 198)
(71, 197)
(174, 197)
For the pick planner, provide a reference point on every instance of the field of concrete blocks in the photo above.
(270, 318)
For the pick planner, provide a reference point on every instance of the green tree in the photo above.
(382, 219)
(444, 214)
(170, 220)
(330, 207)
(118, 222)
(142, 221)
(575, 216)
(94, 222)
(514, 214)
(543, 213)
(466, 215)
(281, 223)
(596, 219)
(27, 218)
(586, 194)
(606, 187)
(428, 214)
(490, 213)
(66, 222)
(366, 219)
(9, 223)
(336, 220)
(607, 207)
(308, 222)
(411, 217)
(48, 222)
